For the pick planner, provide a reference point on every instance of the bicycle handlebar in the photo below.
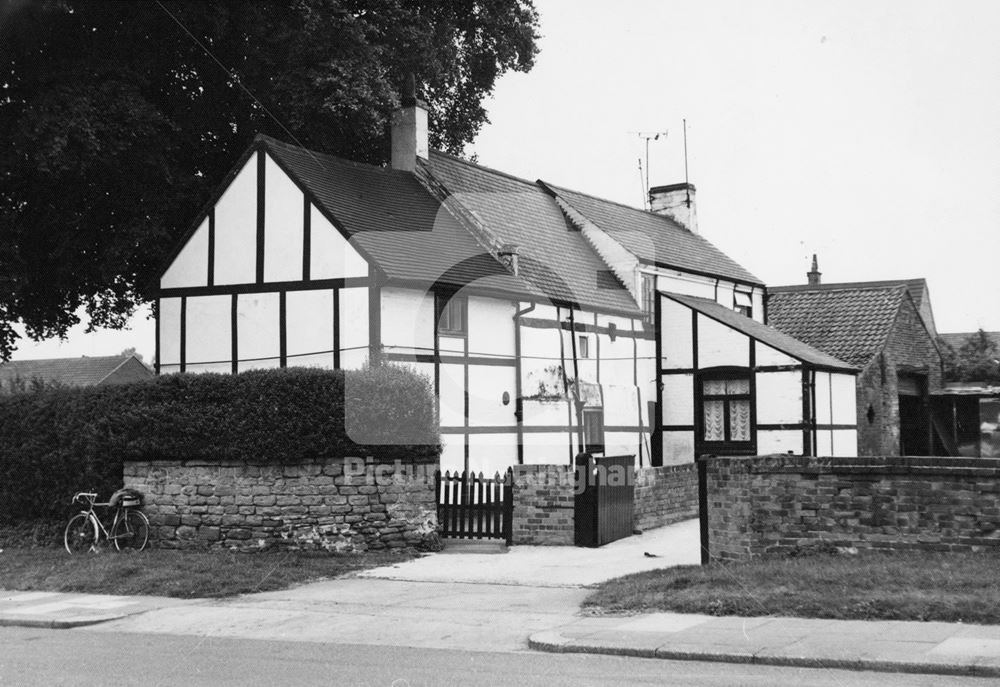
(90, 495)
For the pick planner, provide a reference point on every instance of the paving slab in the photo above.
(894, 646)
(60, 610)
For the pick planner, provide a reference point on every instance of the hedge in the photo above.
(56, 442)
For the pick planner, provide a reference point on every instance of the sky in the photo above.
(865, 132)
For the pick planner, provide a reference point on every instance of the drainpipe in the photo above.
(518, 401)
(576, 383)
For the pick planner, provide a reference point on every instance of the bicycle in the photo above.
(129, 528)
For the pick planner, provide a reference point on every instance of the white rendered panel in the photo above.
(487, 385)
(620, 405)
(623, 444)
(678, 399)
(452, 452)
(617, 362)
(687, 285)
(492, 453)
(779, 441)
(331, 255)
(824, 399)
(824, 442)
(353, 327)
(190, 267)
(779, 397)
(491, 327)
(170, 334)
(844, 401)
(451, 345)
(309, 321)
(546, 448)
(408, 320)
(724, 295)
(675, 330)
(257, 321)
(678, 447)
(758, 304)
(209, 334)
(720, 345)
(765, 355)
(546, 413)
(452, 395)
(236, 228)
(542, 376)
(845, 443)
(282, 225)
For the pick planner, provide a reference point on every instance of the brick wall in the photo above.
(909, 348)
(777, 504)
(313, 505)
(665, 495)
(543, 505)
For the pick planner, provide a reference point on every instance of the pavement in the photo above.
(526, 598)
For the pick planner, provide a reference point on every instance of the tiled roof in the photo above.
(554, 257)
(395, 220)
(957, 339)
(763, 333)
(656, 239)
(915, 287)
(851, 321)
(76, 371)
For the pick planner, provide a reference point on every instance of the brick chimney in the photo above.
(675, 201)
(814, 274)
(409, 129)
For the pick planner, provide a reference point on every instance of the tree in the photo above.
(118, 119)
(976, 360)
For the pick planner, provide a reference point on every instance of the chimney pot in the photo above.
(814, 274)
(675, 201)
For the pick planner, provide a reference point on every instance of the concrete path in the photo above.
(893, 646)
(59, 610)
(555, 566)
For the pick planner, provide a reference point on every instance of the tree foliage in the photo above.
(976, 360)
(117, 119)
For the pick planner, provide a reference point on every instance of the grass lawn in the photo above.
(183, 574)
(952, 587)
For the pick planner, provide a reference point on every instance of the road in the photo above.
(80, 657)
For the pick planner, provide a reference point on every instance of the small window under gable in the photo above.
(584, 346)
(452, 315)
(743, 303)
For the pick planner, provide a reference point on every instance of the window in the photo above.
(593, 430)
(726, 409)
(743, 303)
(584, 347)
(451, 317)
(649, 298)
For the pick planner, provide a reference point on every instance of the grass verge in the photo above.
(950, 587)
(182, 574)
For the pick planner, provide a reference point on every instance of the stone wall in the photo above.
(312, 505)
(781, 504)
(665, 495)
(543, 505)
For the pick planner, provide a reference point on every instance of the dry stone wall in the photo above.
(337, 504)
(783, 504)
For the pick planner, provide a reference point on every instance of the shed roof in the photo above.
(850, 321)
(75, 371)
(763, 333)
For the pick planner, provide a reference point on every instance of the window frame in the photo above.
(727, 445)
(588, 417)
(448, 303)
(583, 345)
(743, 309)
(649, 298)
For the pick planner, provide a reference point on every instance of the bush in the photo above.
(56, 442)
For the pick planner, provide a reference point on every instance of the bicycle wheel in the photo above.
(81, 534)
(131, 531)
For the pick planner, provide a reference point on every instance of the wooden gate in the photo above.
(605, 499)
(475, 507)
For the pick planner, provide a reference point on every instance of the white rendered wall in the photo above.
(844, 397)
(170, 335)
(678, 399)
(257, 327)
(190, 267)
(765, 355)
(487, 385)
(282, 225)
(209, 334)
(845, 443)
(331, 255)
(675, 332)
(779, 441)
(779, 397)
(236, 228)
(353, 327)
(720, 345)
(678, 447)
(492, 453)
(491, 327)
(309, 320)
(408, 320)
(685, 284)
(451, 392)
(452, 452)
